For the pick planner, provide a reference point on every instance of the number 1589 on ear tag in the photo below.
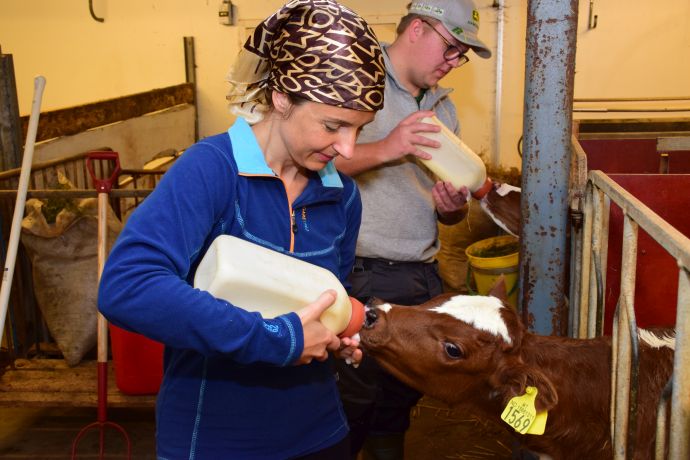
(521, 414)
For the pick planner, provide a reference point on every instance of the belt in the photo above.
(367, 263)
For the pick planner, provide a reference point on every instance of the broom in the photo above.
(456, 163)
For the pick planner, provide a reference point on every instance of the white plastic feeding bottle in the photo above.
(258, 279)
(455, 162)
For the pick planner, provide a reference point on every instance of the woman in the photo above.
(236, 385)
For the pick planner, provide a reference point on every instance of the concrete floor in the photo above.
(437, 432)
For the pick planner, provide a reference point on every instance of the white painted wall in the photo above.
(638, 49)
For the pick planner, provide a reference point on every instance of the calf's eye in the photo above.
(452, 350)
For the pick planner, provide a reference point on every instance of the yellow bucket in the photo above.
(490, 258)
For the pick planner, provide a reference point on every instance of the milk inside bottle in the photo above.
(258, 279)
(454, 161)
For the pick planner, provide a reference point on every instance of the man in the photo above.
(402, 202)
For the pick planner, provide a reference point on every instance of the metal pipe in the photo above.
(500, 26)
(578, 183)
(628, 276)
(190, 76)
(630, 99)
(626, 352)
(598, 318)
(597, 245)
(680, 400)
(575, 273)
(596, 280)
(189, 60)
(632, 110)
(613, 400)
(662, 422)
(549, 79)
(78, 193)
(587, 280)
(603, 257)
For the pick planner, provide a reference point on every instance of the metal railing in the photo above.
(131, 188)
(587, 288)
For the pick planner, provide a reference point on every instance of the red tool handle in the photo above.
(103, 185)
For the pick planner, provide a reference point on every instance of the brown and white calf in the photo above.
(473, 350)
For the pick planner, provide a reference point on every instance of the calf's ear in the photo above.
(512, 380)
(498, 290)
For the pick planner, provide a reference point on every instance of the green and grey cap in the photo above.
(459, 17)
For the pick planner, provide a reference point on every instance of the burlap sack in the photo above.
(455, 239)
(64, 261)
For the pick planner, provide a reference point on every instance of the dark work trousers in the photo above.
(375, 402)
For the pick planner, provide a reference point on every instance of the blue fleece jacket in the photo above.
(229, 389)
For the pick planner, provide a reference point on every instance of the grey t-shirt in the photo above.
(399, 220)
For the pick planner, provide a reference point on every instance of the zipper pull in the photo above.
(293, 221)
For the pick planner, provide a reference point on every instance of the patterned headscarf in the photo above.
(315, 49)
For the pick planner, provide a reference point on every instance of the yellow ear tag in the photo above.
(539, 424)
(521, 414)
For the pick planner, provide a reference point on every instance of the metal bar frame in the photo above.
(600, 191)
(578, 183)
(680, 399)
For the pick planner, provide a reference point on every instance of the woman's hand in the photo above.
(318, 339)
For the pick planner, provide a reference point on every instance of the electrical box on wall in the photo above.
(226, 13)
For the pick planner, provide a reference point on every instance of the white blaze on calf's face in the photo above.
(482, 312)
(386, 307)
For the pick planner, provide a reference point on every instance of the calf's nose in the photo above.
(370, 318)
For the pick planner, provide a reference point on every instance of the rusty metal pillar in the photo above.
(549, 77)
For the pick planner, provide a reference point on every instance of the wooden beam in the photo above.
(73, 120)
(10, 141)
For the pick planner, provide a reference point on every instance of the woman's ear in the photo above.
(281, 103)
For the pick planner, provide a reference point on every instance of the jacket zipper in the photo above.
(291, 212)
(294, 222)
(291, 215)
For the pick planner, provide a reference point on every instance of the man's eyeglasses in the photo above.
(452, 52)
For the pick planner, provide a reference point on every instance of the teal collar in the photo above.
(250, 159)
